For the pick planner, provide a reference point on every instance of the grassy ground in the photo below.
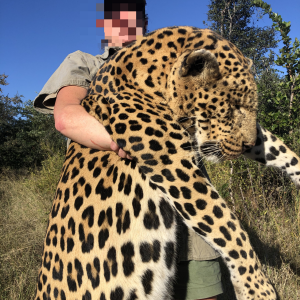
(25, 202)
(268, 205)
(265, 201)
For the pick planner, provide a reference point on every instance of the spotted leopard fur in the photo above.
(272, 152)
(112, 227)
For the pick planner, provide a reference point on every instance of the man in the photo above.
(124, 21)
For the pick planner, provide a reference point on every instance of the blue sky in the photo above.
(36, 35)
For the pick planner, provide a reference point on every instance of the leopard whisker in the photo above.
(206, 156)
(186, 118)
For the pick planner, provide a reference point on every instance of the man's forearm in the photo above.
(76, 124)
(72, 120)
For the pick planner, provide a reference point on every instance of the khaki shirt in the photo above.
(78, 69)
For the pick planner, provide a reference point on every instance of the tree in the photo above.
(8, 106)
(26, 136)
(233, 20)
(282, 116)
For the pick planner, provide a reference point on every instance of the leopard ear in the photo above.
(200, 62)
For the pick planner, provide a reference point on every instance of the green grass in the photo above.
(266, 202)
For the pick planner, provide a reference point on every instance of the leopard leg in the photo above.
(272, 152)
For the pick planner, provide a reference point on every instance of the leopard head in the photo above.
(214, 94)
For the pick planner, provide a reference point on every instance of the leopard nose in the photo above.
(247, 146)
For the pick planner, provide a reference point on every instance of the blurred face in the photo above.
(123, 27)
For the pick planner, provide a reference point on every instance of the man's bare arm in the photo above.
(72, 120)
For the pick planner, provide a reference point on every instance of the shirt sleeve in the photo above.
(78, 69)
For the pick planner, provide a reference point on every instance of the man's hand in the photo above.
(72, 120)
(118, 150)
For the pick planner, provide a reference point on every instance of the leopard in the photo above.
(168, 98)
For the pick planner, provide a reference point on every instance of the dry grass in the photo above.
(265, 201)
(25, 202)
(268, 206)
